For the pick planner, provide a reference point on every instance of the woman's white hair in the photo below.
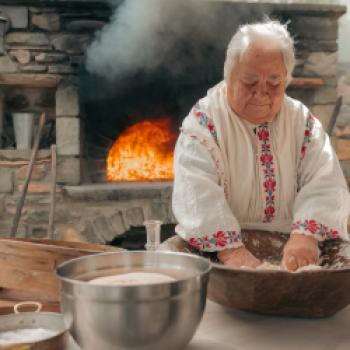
(273, 32)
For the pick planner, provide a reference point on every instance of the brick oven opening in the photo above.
(131, 127)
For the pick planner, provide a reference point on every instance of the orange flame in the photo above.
(144, 151)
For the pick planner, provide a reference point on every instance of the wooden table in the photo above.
(225, 329)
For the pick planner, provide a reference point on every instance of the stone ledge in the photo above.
(14, 154)
(119, 191)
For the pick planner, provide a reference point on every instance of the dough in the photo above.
(133, 279)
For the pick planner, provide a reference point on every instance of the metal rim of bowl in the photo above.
(77, 282)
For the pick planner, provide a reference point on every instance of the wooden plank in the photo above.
(19, 163)
(343, 149)
(17, 261)
(52, 190)
(30, 264)
(38, 188)
(30, 280)
(30, 80)
(302, 82)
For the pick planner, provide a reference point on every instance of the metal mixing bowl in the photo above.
(147, 317)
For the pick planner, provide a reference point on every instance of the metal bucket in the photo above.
(34, 320)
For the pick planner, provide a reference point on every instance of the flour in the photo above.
(133, 279)
(26, 335)
(344, 251)
(309, 268)
(270, 266)
(276, 243)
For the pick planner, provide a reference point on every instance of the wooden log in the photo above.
(30, 264)
(300, 82)
(20, 163)
(28, 176)
(52, 190)
(30, 80)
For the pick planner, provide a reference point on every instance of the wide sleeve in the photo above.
(204, 217)
(322, 204)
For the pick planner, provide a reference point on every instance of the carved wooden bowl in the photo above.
(309, 293)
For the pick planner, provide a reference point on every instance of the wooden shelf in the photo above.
(301, 82)
(30, 80)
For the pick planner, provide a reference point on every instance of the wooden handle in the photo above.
(28, 176)
(52, 190)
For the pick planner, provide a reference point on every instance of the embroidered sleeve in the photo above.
(313, 228)
(204, 217)
(322, 204)
(216, 241)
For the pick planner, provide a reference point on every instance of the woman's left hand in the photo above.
(299, 251)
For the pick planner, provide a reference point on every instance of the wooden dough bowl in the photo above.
(310, 293)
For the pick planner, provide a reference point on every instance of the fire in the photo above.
(144, 151)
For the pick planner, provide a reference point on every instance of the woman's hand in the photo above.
(238, 257)
(299, 251)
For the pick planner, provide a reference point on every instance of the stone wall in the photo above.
(44, 52)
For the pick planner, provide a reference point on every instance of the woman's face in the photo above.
(257, 84)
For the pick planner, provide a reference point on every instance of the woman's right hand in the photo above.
(238, 257)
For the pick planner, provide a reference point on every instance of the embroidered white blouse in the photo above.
(279, 176)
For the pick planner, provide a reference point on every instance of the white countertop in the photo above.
(227, 329)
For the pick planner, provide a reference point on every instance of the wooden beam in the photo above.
(30, 80)
(19, 163)
(301, 82)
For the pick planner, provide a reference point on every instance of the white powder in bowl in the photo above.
(269, 266)
(26, 335)
(133, 279)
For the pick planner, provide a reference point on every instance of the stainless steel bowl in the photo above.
(148, 317)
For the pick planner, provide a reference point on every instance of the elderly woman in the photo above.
(250, 157)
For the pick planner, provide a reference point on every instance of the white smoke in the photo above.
(145, 34)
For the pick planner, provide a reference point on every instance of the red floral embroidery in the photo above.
(310, 122)
(263, 135)
(269, 183)
(312, 226)
(205, 121)
(269, 211)
(194, 243)
(266, 158)
(315, 228)
(219, 239)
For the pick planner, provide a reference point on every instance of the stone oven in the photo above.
(43, 69)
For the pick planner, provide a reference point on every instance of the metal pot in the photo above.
(145, 317)
(47, 320)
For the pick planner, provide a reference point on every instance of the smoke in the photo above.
(173, 35)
